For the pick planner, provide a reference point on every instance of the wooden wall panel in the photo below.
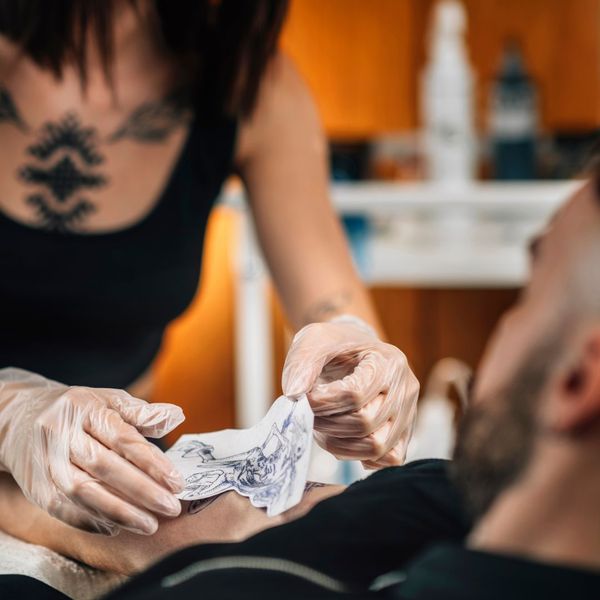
(431, 324)
(357, 57)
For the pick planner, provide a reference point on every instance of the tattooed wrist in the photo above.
(328, 307)
(199, 505)
(311, 485)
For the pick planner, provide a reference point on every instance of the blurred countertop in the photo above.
(431, 235)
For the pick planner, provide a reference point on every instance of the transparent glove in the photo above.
(362, 391)
(80, 453)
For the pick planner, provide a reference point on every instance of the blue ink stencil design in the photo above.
(271, 470)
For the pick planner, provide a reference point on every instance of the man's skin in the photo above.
(227, 517)
(529, 453)
(549, 512)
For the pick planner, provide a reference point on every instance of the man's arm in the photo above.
(228, 517)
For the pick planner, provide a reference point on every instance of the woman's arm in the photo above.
(282, 159)
(361, 390)
(225, 518)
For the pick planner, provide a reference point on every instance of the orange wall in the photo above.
(357, 57)
(561, 44)
(363, 58)
(195, 368)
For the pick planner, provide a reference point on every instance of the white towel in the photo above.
(69, 577)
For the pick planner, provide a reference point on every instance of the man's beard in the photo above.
(496, 436)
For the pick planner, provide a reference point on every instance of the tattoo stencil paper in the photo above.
(267, 463)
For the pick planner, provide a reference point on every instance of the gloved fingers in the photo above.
(353, 391)
(151, 419)
(114, 471)
(300, 372)
(104, 505)
(108, 427)
(369, 449)
(312, 348)
(401, 430)
(66, 511)
(395, 457)
(357, 423)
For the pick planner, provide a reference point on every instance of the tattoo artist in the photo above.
(120, 122)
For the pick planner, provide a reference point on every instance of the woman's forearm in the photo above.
(283, 163)
(351, 299)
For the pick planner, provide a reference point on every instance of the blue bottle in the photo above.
(513, 119)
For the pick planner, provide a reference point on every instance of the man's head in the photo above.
(539, 382)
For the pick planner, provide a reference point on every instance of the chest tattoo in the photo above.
(9, 112)
(155, 121)
(64, 164)
(62, 167)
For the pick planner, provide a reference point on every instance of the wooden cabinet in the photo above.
(363, 58)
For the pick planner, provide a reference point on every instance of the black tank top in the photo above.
(91, 309)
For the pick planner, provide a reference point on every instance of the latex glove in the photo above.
(80, 453)
(361, 390)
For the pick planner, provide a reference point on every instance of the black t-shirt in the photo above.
(452, 572)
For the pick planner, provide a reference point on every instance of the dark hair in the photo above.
(223, 46)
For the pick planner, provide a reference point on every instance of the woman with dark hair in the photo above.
(120, 120)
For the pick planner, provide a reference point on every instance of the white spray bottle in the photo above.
(447, 105)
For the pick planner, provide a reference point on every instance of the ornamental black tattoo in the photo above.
(67, 134)
(64, 221)
(311, 485)
(9, 112)
(155, 121)
(63, 179)
(328, 307)
(197, 505)
(60, 208)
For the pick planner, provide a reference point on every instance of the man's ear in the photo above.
(574, 404)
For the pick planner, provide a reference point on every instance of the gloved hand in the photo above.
(361, 390)
(79, 453)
